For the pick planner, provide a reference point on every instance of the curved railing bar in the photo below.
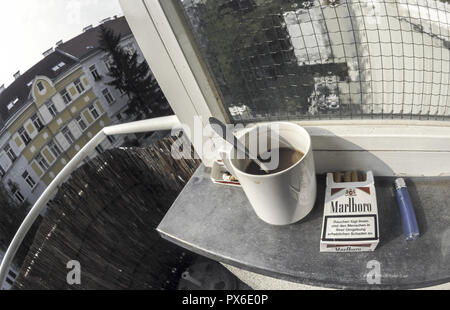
(153, 124)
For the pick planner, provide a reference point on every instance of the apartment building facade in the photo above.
(51, 111)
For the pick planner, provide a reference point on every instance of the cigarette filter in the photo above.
(409, 221)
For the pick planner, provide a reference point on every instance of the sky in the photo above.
(30, 27)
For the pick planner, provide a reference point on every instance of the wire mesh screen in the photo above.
(326, 59)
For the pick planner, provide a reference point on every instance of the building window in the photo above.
(81, 122)
(94, 112)
(19, 196)
(43, 163)
(51, 108)
(58, 66)
(94, 72)
(37, 122)
(27, 177)
(54, 148)
(99, 149)
(9, 151)
(66, 97)
(107, 64)
(79, 86)
(12, 103)
(40, 86)
(111, 139)
(2, 171)
(108, 97)
(68, 135)
(24, 135)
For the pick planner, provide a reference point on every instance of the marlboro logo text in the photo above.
(350, 207)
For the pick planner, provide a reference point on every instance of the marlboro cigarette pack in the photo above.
(350, 217)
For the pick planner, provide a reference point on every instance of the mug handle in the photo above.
(224, 155)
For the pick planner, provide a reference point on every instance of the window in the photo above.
(94, 111)
(42, 162)
(40, 86)
(58, 66)
(37, 122)
(12, 274)
(9, 151)
(322, 59)
(54, 148)
(81, 122)
(111, 139)
(99, 149)
(24, 135)
(27, 177)
(2, 171)
(94, 72)
(51, 108)
(19, 196)
(68, 135)
(66, 97)
(79, 86)
(107, 64)
(108, 97)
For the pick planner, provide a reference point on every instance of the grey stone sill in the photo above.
(218, 222)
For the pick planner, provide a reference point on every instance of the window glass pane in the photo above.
(322, 59)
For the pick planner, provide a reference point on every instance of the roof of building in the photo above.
(87, 43)
(79, 47)
(19, 90)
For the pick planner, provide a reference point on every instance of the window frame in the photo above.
(38, 121)
(42, 162)
(66, 96)
(52, 144)
(29, 179)
(66, 132)
(92, 109)
(79, 85)
(108, 94)
(51, 108)
(23, 133)
(79, 119)
(42, 88)
(10, 152)
(94, 72)
(168, 47)
(18, 195)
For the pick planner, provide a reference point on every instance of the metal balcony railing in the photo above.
(154, 124)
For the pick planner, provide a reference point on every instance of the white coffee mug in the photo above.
(282, 197)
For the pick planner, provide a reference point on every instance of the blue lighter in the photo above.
(409, 221)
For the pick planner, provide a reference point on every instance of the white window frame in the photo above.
(29, 179)
(79, 86)
(37, 122)
(94, 72)
(57, 153)
(66, 96)
(388, 147)
(51, 108)
(18, 195)
(24, 135)
(39, 88)
(10, 152)
(68, 135)
(80, 119)
(108, 94)
(42, 162)
(92, 108)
